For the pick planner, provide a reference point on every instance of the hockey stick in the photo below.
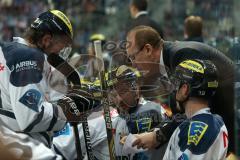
(107, 117)
(72, 76)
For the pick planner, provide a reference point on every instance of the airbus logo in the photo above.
(24, 65)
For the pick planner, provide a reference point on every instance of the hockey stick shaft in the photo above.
(87, 139)
(77, 141)
(72, 76)
(107, 117)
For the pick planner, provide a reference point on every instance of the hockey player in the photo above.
(133, 115)
(203, 135)
(24, 91)
(140, 115)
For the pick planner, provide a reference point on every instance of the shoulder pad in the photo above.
(24, 63)
(199, 133)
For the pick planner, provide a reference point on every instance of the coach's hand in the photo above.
(145, 140)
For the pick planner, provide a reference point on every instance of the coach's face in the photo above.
(141, 56)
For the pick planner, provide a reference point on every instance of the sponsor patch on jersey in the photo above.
(24, 65)
(196, 131)
(31, 99)
(183, 157)
(65, 131)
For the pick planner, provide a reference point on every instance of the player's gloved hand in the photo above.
(76, 103)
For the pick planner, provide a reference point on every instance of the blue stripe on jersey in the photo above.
(7, 113)
(59, 152)
(54, 118)
(25, 63)
(199, 133)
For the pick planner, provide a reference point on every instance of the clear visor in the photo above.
(65, 52)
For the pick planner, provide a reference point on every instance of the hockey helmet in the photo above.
(96, 37)
(53, 21)
(200, 75)
(122, 73)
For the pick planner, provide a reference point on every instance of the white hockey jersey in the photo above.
(25, 93)
(202, 137)
(64, 142)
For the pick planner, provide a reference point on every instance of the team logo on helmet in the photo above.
(213, 84)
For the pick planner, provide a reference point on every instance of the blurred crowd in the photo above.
(16, 15)
(110, 17)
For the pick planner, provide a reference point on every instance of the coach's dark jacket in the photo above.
(223, 103)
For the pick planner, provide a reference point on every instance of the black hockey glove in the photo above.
(76, 103)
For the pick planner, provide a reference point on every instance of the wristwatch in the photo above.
(161, 139)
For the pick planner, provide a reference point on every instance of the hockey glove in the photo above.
(76, 103)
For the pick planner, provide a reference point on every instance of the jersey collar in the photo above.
(20, 40)
(202, 111)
